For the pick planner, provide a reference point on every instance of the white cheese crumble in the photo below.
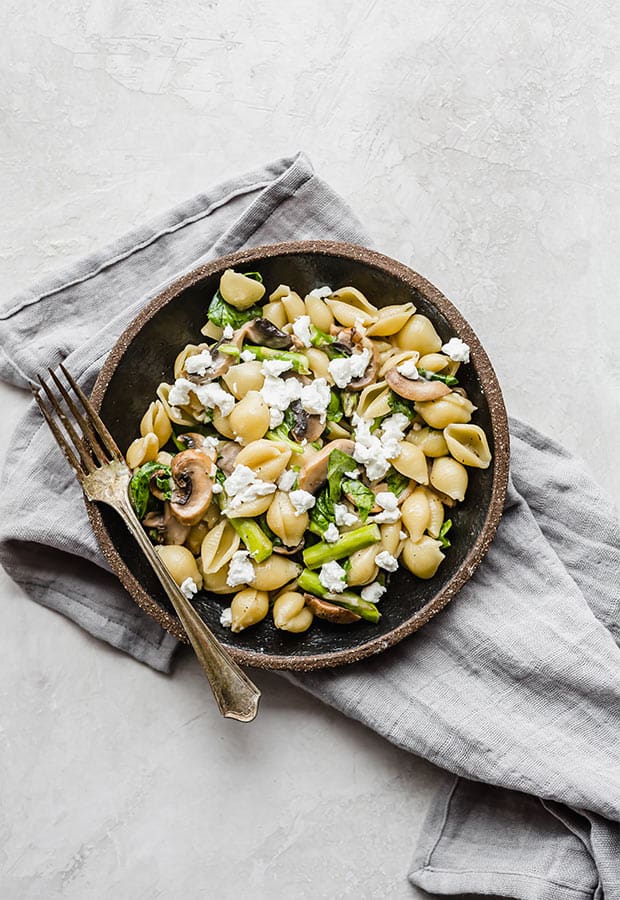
(217, 488)
(392, 433)
(226, 617)
(373, 592)
(198, 363)
(457, 350)
(345, 369)
(408, 369)
(315, 398)
(275, 367)
(279, 393)
(210, 443)
(189, 588)
(321, 292)
(179, 392)
(331, 534)
(276, 417)
(228, 332)
(243, 486)
(240, 570)
(369, 450)
(386, 561)
(302, 501)
(343, 516)
(333, 577)
(388, 501)
(287, 480)
(211, 395)
(248, 356)
(301, 329)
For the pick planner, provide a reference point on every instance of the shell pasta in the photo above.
(303, 451)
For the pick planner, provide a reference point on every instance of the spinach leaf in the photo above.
(361, 495)
(396, 482)
(400, 405)
(450, 380)
(222, 313)
(322, 513)
(334, 409)
(139, 486)
(337, 467)
(445, 528)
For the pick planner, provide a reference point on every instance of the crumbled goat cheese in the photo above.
(210, 443)
(333, 577)
(386, 561)
(217, 488)
(302, 501)
(198, 363)
(408, 369)
(343, 516)
(359, 327)
(228, 332)
(243, 486)
(457, 350)
(287, 480)
(343, 370)
(301, 329)
(189, 588)
(211, 395)
(179, 392)
(369, 450)
(241, 569)
(392, 433)
(373, 592)
(276, 417)
(248, 356)
(389, 503)
(321, 292)
(354, 474)
(331, 534)
(275, 367)
(315, 398)
(279, 393)
(226, 617)
(403, 536)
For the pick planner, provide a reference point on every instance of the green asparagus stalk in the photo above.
(321, 553)
(254, 538)
(297, 360)
(309, 581)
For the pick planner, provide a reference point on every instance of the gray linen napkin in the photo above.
(514, 690)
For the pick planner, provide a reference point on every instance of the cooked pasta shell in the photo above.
(276, 313)
(319, 312)
(334, 430)
(449, 477)
(374, 401)
(244, 377)
(239, 290)
(281, 518)
(183, 356)
(251, 508)
(419, 334)
(438, 362)
(282, 290)
(411, 462)
(176, 415)
(143, 449)
(430, 441)
(396, 357)
(248, 607)
(318, 362)
(164, 458)
(416, 513)
(156, 421)
(349, 306)
(195, 538)
(446, 410)
(222, 424)
(218, 547)
(210, 330)
(180, 563)
(363, 568)
(216, 582)
(290, 613)
(267, 458)
(391, 319)
(274, 573)
(468, 444)
(249, 419)
(422, 557)
(437, 514)
(293, 306)
(390, 537)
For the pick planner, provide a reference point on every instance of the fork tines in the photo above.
(87, 448)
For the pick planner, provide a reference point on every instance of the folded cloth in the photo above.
(514, 690)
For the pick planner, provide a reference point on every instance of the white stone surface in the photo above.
(478, 142)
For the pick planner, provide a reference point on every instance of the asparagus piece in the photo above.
(254, 538)
(297, 360)
(309, 581)
(321, 553)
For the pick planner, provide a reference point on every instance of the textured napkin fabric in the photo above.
(514, 690)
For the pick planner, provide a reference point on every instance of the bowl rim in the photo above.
(499, 427)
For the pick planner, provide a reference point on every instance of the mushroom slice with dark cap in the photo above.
(167, 525)
(307, 426)
(416, 389)
(283, 550)
(322, 609)
(266, 334)
(314, 473)
(229, 450)
(193, 487)
(191, 440)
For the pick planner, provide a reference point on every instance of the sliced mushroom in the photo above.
(265, 333)
(154, 489)
(314, 473)
(283, 550)
(191, 440)
(193, 486)
(418, 389)
(330, 611)
(358, 384)
(229, 451)
(307, 426)
(168, 527)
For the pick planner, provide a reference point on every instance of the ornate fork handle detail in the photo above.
(104, 476)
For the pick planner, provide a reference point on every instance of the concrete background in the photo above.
(479, 143)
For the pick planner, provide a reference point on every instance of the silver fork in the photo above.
(104, 476)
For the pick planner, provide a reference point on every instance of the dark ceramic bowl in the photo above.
(144, 356)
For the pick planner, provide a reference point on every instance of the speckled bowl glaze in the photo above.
(144, 356)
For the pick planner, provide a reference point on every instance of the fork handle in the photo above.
(236, 696)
